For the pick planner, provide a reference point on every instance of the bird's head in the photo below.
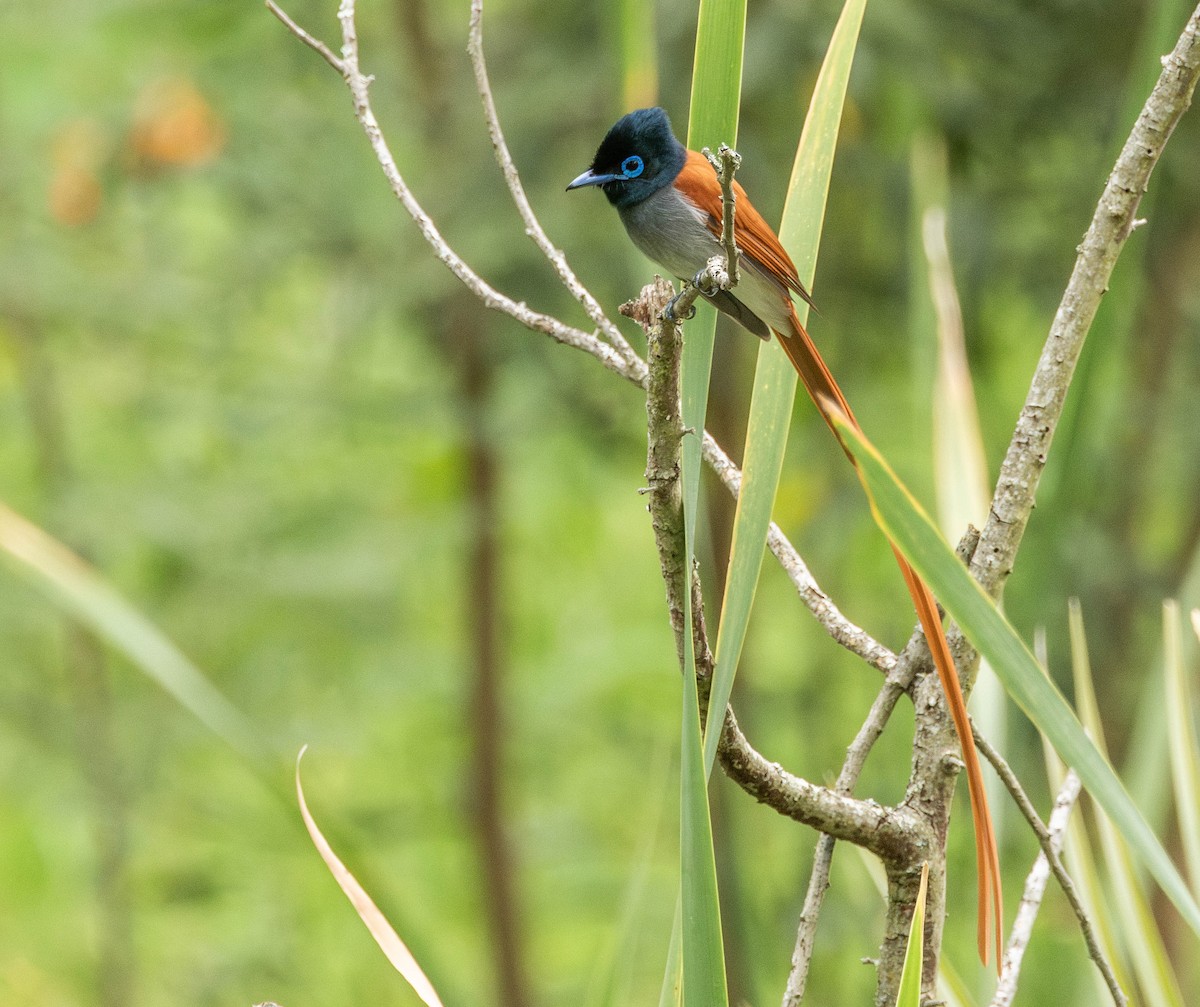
(638, 157)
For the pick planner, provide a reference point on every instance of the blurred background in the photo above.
(407, 532)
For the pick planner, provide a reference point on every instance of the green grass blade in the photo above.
(906, 524)
(775, 379)
(960, 467)
(1181, 732)
(952, 988)
(717, 73)
(909, 992)
(716, 96)
(79, 590)
(712, 120)
(1138, 932)
(610, 981)
(672, 988)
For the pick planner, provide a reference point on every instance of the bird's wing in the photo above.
(753, 235)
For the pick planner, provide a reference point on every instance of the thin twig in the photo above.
(1050, 851)
(1031, 898)
(313, 43)
(726, 162)
(721, 271)
(512, 179)
(818, 882)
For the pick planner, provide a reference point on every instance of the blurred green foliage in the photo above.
(233, 378)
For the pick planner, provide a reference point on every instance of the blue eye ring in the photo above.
(632, 166)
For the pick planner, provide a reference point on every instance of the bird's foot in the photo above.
(706, 283)
(671, 315)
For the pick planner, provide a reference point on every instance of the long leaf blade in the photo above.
(1138, 933)
(775, 379)
(1181, 733)
(909, 993)
(906, 524)
(716, 96)
(81, 591)
(703, 947)
(376, 923)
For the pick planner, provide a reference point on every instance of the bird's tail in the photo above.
(823, 389)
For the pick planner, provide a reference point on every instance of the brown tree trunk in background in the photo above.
(428, 60)
(457, 321)
(483, 628)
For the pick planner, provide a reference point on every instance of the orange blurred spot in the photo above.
(75, 195)
(175, 125)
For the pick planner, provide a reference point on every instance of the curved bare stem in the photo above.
(512, 179)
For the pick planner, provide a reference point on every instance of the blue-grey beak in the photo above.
(590, 177)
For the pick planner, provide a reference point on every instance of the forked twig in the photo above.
(512, 179)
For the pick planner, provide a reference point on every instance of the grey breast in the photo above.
(670, 231)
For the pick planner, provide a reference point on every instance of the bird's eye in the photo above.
(632, 166)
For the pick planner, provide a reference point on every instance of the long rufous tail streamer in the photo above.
(822, 388)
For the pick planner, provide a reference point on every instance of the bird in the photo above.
(669, 199)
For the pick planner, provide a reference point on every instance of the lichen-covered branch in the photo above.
(895, 835)
(1112, 223)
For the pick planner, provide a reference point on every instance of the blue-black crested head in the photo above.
(637, 157)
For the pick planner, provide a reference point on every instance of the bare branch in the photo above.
(1111, 225)
(313, 43)
(664, 431)
(896, 835)
(818, 882)
(512, 178)
(359, 83)
(1031, 898)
